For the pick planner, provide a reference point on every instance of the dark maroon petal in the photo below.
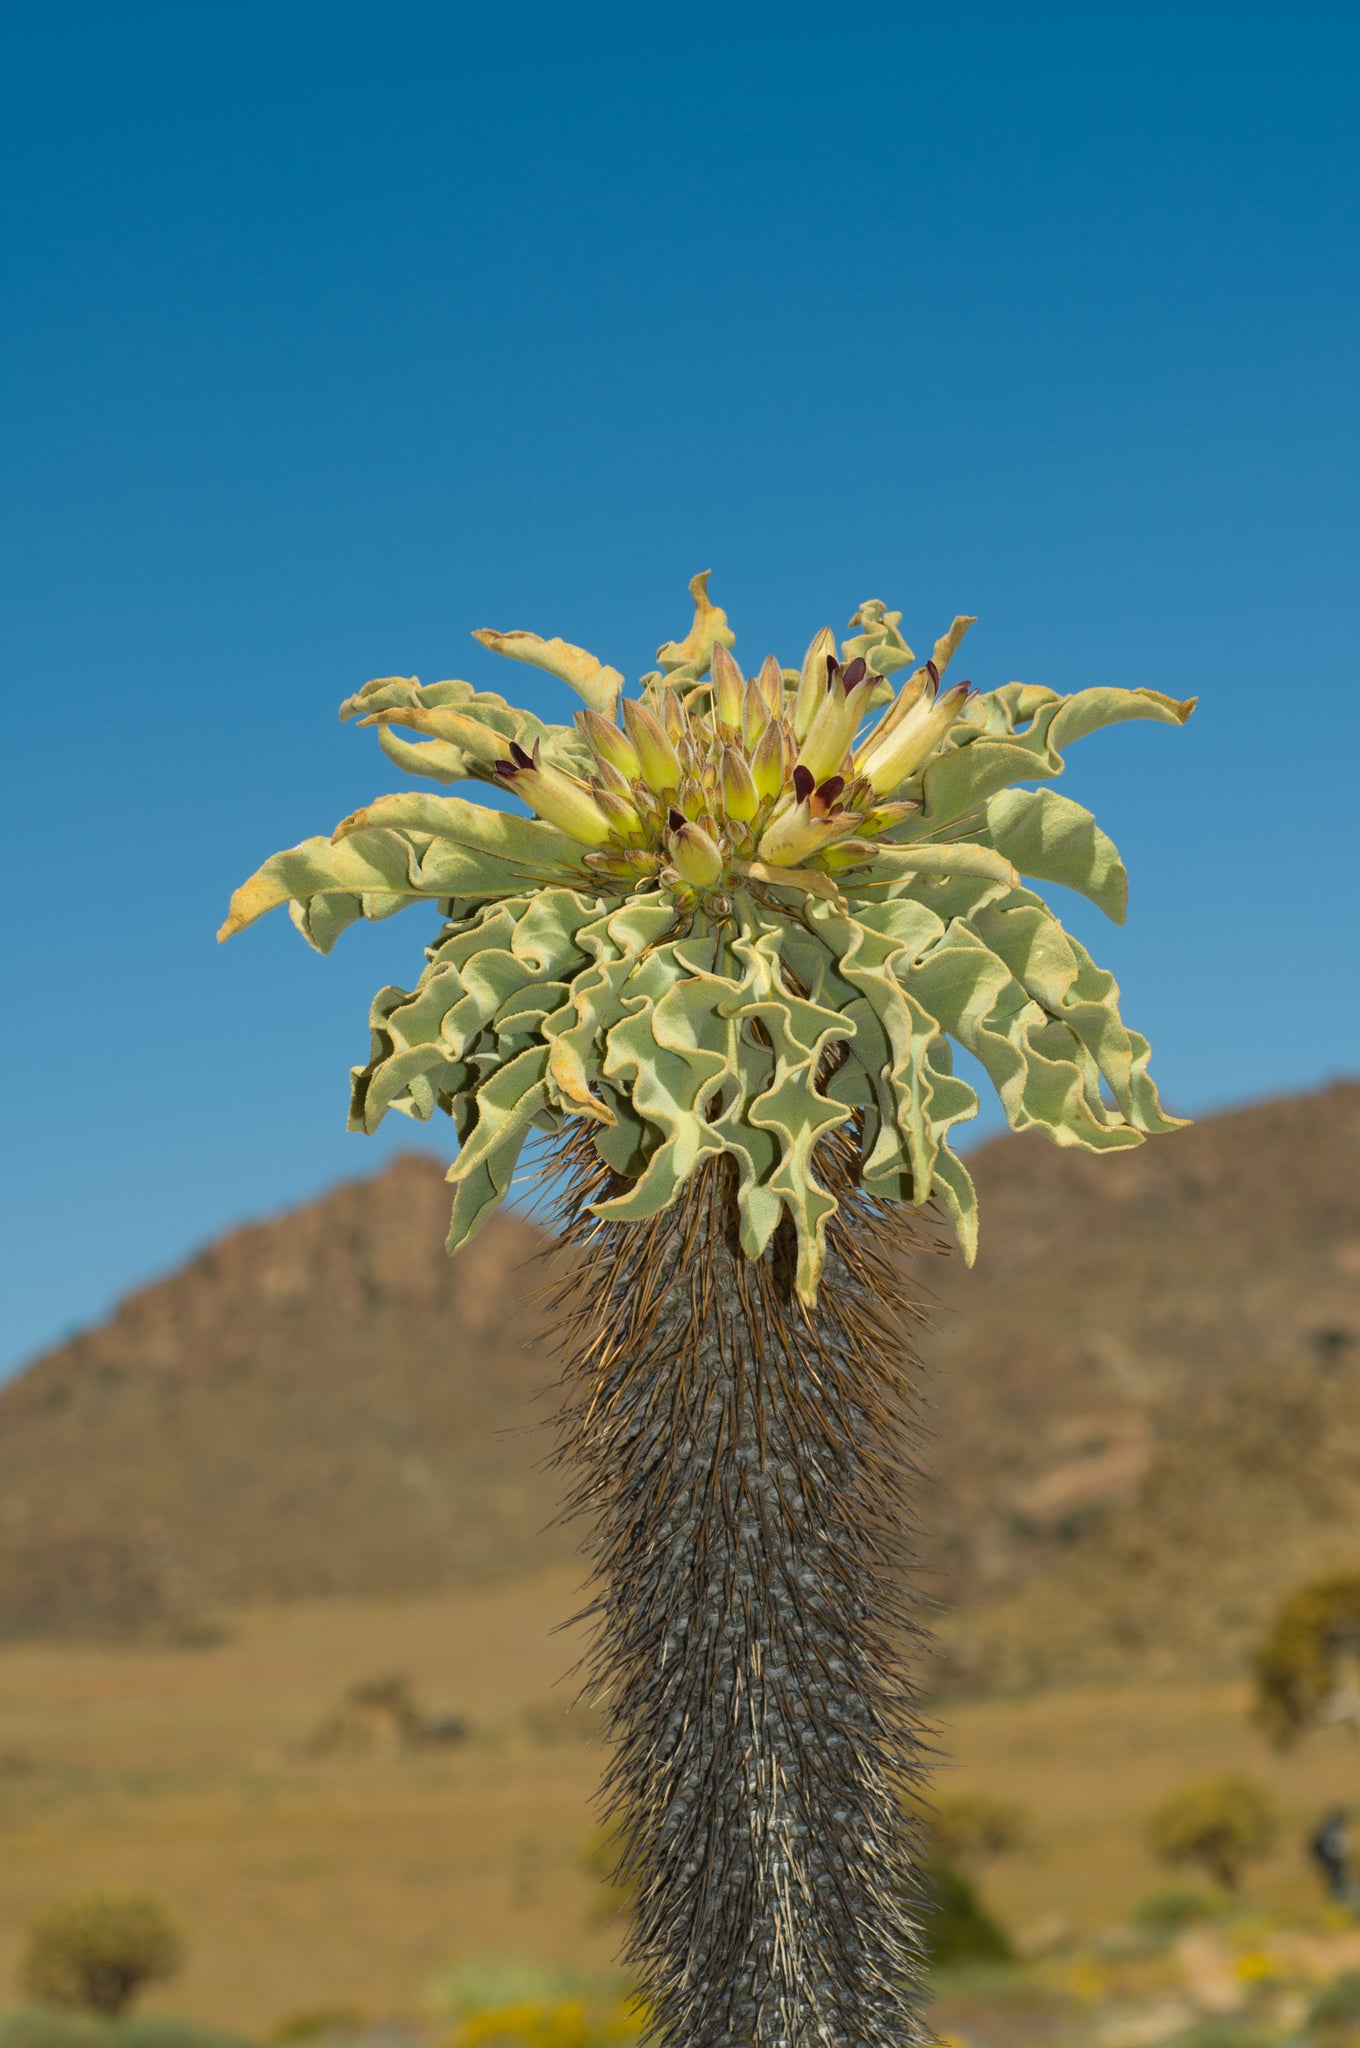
(856, 672)
(519, 757)
(507, 768)
(829, 790)
(675, 819)
(804, 782)
(833, 669)
(933, 673)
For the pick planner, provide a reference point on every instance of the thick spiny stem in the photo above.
(741, 1462)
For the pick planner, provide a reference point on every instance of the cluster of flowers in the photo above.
(738, 776)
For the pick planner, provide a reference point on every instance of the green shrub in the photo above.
(319, 2023)
(1217, 1824)
(1301, 1663)
(1227, 2033)
(95, 1951)
(1167, 1912)
(1334, 2017)
(42, 2027)
(551, 2023)
(960, 1929)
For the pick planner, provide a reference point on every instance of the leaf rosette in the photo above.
(745, 911)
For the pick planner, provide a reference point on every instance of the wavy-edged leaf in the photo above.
(954, 1186)
(384, 702)
(507, 1104)
(1035, 1070)
(792, 1108)
(686, 660)
(912, 1092)
(1051, 839)
(671, 1052)
(584, 672)
(1060, 975)
(505, 835)
(382, 864)
(879, 641)
(379, 868)
(957, 783)
(953, 857)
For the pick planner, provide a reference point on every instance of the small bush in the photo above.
(1218, 1825)
(1334, 2017)
(95, 1951)
(960, 1929)
(1301, 1661)
(1167, 1912)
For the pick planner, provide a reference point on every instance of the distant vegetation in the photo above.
(1186, 1360)
(96, 1951)
(1217, 1825)
(960, 1929)
(971, 1829)
(1308, 1667)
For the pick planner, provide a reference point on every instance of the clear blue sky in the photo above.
(334, 332)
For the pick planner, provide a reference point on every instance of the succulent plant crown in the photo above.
(748, 911)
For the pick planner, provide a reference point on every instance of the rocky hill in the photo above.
(1145, 1405)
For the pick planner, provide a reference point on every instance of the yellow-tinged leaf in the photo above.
(710, 626)
(585, 672)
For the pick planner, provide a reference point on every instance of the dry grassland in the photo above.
(306, 1882)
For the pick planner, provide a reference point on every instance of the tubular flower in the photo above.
(738, 920)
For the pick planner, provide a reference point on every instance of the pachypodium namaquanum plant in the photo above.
(722, 966)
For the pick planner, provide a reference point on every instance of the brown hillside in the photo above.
(1149, 1393)
(1146, 1405)
(322, 1403)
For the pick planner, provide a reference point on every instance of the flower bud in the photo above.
(883, 817)
(607, 776)
(890, 761)
(673, 716)
(755, 715)
(624, 821)
(833, 728)
(771, 681)
(849, 853)
(728, 689)
(693, 852)
(908, 697)
(611, 862)
(812, 688)
(609, 743)
(658, 762)
(740, 797)
(767, 763)
(558, 797)
(791, 837)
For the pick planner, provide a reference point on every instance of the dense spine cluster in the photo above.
(742, 1466)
